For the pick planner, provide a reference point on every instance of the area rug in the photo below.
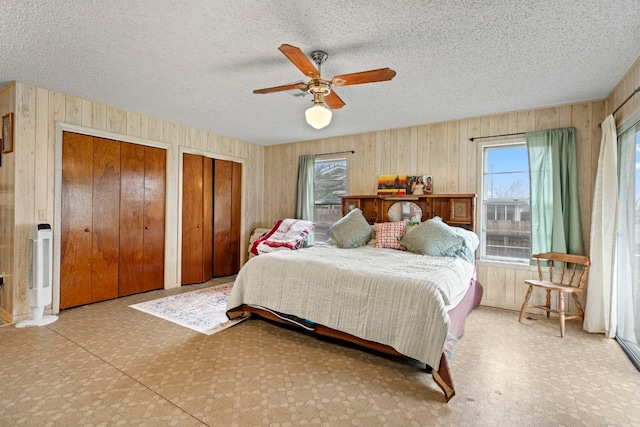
(202, 310)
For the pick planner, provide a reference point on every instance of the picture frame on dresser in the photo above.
(7, 133)
(420, 184)
(392, 184)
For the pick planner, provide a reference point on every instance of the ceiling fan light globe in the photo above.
(318, 116)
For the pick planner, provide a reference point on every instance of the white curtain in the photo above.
(600, 315)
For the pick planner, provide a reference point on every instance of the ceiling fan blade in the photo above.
(300, 60)
(333, 101)
(299, 85)
(380, 75)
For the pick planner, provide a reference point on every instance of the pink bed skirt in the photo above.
(458, 314)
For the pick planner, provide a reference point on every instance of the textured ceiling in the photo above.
(196, 62)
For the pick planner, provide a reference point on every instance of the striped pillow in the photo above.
(387, 234)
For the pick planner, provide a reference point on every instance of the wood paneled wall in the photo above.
(7, 208)
(27, 175)
(444, 151)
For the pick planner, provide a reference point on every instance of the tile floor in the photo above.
(107, 364)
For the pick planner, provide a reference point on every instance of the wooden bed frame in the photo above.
(442, 376)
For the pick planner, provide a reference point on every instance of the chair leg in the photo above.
(578, 305)
(526, 301)
(561, 312)
(548, 302)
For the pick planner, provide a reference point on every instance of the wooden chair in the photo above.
(563, 270)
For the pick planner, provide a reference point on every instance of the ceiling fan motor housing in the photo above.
(319, 56)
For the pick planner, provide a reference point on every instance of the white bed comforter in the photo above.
(384, 295)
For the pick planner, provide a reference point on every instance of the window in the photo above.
(505, 209)
(628, 241)
(330, 185)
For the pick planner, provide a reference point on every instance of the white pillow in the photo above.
(471, 243)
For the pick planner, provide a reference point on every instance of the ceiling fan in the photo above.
(319, 116)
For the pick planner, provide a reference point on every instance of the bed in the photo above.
(394, 301)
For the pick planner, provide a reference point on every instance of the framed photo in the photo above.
(420, 184)
(392, 184)
(7, 133)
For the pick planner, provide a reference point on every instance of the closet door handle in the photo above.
(86, 230)
(147, 228)
(199, 226)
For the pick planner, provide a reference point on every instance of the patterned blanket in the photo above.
(286, 234)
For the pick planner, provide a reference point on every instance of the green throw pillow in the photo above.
(432, 237)
(351, 231)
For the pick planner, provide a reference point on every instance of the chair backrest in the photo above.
(562, 268)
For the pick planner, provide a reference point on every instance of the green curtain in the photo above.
(305, 201)
(555, 207)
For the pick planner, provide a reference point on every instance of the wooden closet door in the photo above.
(226, 218)
(236, 218)
(207, 218)
(192, 217)
(76, 220)
(113, 218)
(106, 219)
(132, 192)
(223, 174)
(142, 208)
(155, 161)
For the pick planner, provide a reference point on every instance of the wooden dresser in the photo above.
(455, 209)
